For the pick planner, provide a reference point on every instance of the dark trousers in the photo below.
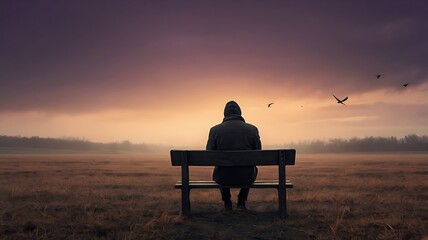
(235, 176)
(225, 194)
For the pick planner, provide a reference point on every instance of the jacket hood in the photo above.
(232, 108)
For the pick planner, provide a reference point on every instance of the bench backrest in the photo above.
(233, 158)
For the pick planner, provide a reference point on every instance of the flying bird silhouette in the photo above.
(405, 85)
(340, 101)
(378, 76)
(270, 104)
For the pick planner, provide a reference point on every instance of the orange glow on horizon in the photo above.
(188, 120)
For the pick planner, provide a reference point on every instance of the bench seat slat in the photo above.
(233, 158)
(257, 184)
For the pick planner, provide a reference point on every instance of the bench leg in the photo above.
(185, 202)
(185, 188)
(282, 203)
(281, 188)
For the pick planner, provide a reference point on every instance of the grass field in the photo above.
(123, 196)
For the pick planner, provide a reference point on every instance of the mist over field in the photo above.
(37, 144)
(17, 144)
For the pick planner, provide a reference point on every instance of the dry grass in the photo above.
(346, 196)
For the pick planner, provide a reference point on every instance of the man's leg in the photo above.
(242, 198)
(225, 196)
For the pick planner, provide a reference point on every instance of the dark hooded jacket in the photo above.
(234, 134)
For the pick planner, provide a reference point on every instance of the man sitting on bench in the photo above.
(234, 134)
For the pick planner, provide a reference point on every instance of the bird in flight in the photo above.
(378, 76)
(270, 104)
(340, 101)
(405, 85)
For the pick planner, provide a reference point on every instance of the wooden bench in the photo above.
(280, 158)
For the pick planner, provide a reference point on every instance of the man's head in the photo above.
(232, 108)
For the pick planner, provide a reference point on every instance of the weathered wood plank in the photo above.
(233, 158)
(212, 184)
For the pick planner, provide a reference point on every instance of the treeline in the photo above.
(20, 144)
(408, 143)
(38, 144)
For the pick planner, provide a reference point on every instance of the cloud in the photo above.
(67, 57)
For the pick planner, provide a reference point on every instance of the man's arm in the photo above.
(211, 141)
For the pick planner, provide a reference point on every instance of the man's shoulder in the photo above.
(216, 126)
(252, 127)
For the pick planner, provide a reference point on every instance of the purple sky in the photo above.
(75, 57)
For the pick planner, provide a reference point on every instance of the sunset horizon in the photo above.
(161, 73)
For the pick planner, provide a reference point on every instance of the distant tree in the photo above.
(411, 142)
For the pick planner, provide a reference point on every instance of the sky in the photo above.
(160, 72)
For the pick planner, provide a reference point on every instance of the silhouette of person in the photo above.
(234, 134)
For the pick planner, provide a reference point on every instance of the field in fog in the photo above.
(337, 196)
